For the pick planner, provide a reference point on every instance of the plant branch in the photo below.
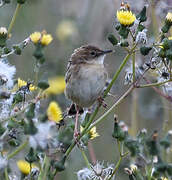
(169, 98)
(111, 109)
(153, 84)
(119, 161)
(13, 19)
(85, 158)
(20, 148)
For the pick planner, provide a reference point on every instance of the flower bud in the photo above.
(3, 36)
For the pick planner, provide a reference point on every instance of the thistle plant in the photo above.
(40, 139)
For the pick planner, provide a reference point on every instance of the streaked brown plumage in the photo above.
(86, 75)
(85, 78)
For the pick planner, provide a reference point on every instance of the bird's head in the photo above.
(89, 54)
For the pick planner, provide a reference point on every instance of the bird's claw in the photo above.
(75, 136)
(102, 102)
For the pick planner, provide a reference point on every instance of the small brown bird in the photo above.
(85, 77)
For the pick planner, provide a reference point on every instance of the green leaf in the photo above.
(140, 28)
(43, 85)
(124, 31)
(112, 39)
(142, 15)
(30, 114)
(145, 50)
(60, 165)
(132, 145)
(29, 128)
(124, 44)
(169, 54)
(17, 50)
(31, 156)
(165, 28)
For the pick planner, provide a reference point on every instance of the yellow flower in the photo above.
(92, 133)
(25, 167)
(54, 112)
(46, 39)
(169, 17)
(21, 83)
(170, 38)
(35, 37)
(125, 17)
(57, 85)
(65, 30)
(164, 178)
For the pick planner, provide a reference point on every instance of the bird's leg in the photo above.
(76, 133)
(101, 102)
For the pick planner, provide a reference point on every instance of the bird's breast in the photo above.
(86, 84)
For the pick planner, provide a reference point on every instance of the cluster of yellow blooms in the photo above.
(43, 38)
(93, 133)
(125, 17)
(21, 83)
(54, 112)
(25, 167)
(57, 85)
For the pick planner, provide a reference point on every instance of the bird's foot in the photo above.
(72, 110)
(102, 102)
(76, 137)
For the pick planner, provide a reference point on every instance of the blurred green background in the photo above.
(73, 23)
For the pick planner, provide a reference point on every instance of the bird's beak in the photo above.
(107, 51)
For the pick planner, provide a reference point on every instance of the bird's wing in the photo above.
(68, 71)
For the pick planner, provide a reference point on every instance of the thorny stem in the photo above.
(153, 84)
(169, 98)
(134, 64)
(13, 19)
(91, 152)
(119, 70)
(154, 21)
(85, 158)
(44, 170)
(6, 174)
(105, 94)
(111, 109)
(119, 161)
(20, 148)
(134, 123)
(134, 99)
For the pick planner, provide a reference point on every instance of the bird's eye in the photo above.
(93, 53)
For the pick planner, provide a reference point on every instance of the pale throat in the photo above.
(98, 60)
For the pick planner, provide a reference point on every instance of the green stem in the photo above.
(85, 158)
(13, 19)
(20, 148)
(154, 84)
(103, 117)
(119, 161)
(44, 170)
(134, 123)
(116, 168)
(134, 64)
(6, 174)
(154, 21)
(119, 70)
